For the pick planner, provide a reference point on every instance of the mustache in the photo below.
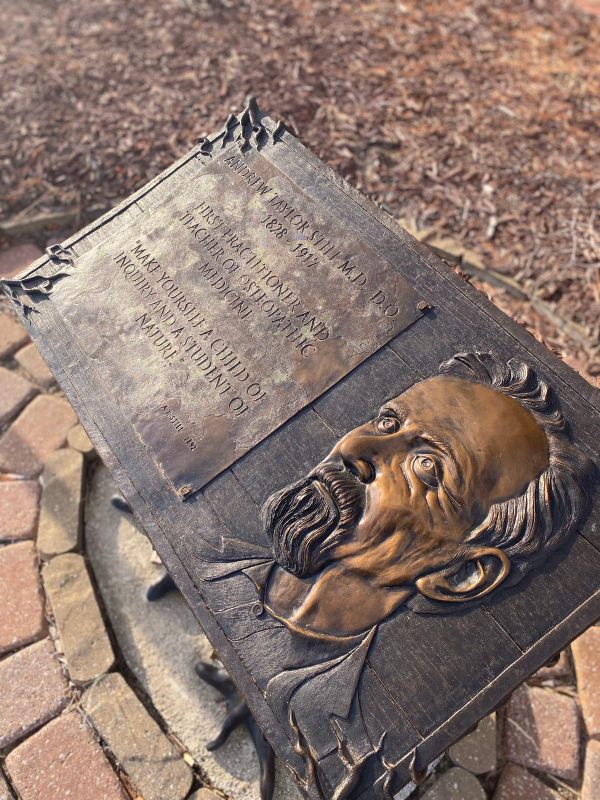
(308, 519)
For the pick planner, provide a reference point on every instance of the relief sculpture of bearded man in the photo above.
(460, 486)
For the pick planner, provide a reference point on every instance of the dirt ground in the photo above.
(477, 119)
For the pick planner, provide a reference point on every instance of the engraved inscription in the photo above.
(236, 300)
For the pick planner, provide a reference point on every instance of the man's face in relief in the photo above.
(394, 501)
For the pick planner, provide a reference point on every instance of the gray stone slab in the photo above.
(149, 758)
(161, 642)
(477, 751)
(456, 784)
(81, 629)
(59, 527)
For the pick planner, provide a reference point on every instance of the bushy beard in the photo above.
(310, 518)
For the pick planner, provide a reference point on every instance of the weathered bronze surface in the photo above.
(462, 484)
(216, 294)
(373, 607)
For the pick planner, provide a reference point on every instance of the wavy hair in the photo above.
(531, 526)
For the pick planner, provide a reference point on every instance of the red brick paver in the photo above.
(14, 259)
(518, 784)
(38, 430)
(22, 618)
(591, 776)
(63, 760)
(33, 689)
(19, 509)
(12, 335)
(542, 731)
(586, 654)
(30, 359)
(15, 392)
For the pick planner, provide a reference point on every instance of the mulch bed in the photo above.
(478, 119)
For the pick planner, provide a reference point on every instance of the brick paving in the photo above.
(81, 631)
(517, 784)
(542, 731)
(31, 361)
(12, 335)
(456, 784)
(22, 620)
(48, 751)
(591, 775)
(37, 432)
(5, 792)
(63, 760)
(19, 509)
(586, 655)
(477, 751)
(15, 392)
(142, 749)
(59, 528)
(33, 689)
(77, 439)
(549, 750)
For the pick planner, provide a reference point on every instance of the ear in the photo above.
(481, 571)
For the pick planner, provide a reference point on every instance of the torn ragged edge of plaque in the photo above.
(37, 286)
(251, 133)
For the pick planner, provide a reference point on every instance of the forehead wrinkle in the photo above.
(437, 441)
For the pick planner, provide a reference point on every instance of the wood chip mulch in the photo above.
(478, 119)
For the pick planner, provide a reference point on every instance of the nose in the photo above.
(359, 455)
(361, 468)
(365, 453)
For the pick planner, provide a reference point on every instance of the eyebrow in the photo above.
(400, 413)
(443, 446)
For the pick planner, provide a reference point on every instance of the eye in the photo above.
(426, 469)
(387, 424)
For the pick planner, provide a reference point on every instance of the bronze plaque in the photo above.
(238, 300)
(396, 523)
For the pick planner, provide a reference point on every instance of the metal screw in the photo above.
(423, 306)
